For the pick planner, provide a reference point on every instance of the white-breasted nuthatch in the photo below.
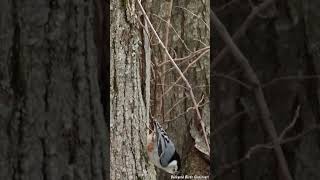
(161, 150)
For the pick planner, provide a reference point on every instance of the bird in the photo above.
(161, 150)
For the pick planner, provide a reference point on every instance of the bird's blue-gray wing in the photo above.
(166, 147)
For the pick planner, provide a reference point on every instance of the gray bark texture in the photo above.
(282, 45)
(52, 122)
(130, 92)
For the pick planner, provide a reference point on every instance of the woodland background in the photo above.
(266, 89)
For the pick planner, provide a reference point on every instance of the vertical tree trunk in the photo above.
(129, 95)
(52, 121)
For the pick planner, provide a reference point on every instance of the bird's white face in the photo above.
(172, 168)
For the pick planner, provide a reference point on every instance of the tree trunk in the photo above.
(52, 120)
(129, 80)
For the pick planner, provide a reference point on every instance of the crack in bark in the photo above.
(102, 45)
(87, 72)
(132, 149)
(45, 158)
(18, 85)
(17, 79)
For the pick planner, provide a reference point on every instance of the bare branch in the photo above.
(226, 5)
(299, 136)
(175, 31)
(187, 10)
(190, 56)
(177, 103)
(236, 36)
(285, 78)
(254, 149)
(185, 71)
(290, 126)
(232, 79)
(228, 122)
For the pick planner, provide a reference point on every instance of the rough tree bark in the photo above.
(129, 81)
(51, 115)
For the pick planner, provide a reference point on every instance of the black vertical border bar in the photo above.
(102, 38)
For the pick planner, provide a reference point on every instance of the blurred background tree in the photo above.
(281, 41)
(52, 110)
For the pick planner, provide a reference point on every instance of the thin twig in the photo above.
(175, 31)
(172, 84)
(233, 79)
(199, 40)
(228, 167)
(190, 56)
(179, 115)
(226, 5)
(193, 14)
(185, 112)
(185, 71)
(297, 137)
(243, 28)
(177, 103)
(228, 122)
(285, 78)
(290, 126)
(184, 87)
